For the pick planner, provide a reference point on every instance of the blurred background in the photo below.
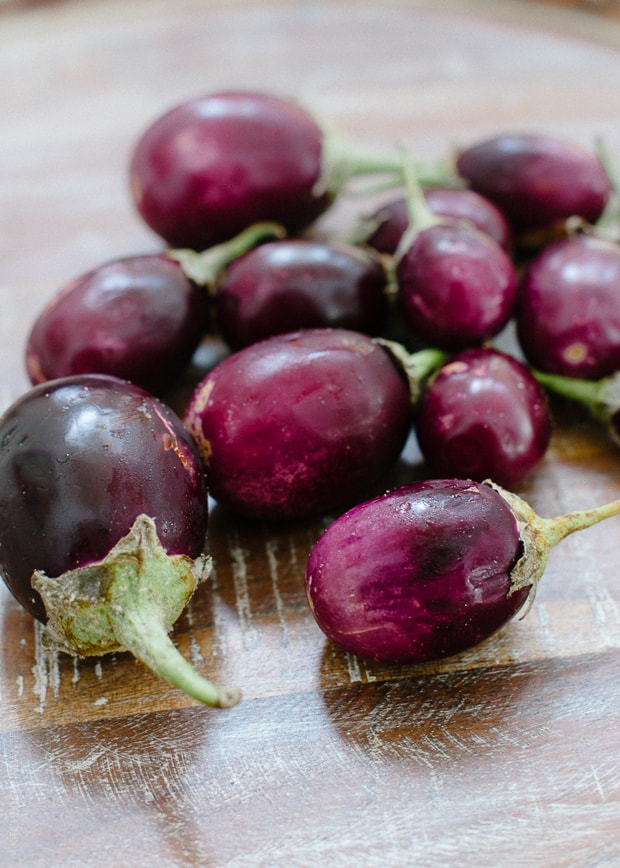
(607, 7)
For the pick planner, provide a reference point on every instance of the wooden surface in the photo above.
(507, 755)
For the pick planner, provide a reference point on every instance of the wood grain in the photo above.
(507, 754)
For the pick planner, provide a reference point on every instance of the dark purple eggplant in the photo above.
(211, 166)
(103, 516)
(568, 313)
(383, 229)
(297, 283)
(537, 181)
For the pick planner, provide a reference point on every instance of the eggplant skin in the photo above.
(526, 174)
(417, 574)
(213, 165)
(80, 458)
(568, 315)
(300, 424)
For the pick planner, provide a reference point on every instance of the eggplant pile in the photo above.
(104, 488)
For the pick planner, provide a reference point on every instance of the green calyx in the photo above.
(129, 601)
(539, 535)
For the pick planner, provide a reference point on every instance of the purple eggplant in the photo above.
(536, 180)
(138, 318)
(302, 423)
(286, 285)
(484, 415)
(384, 229)
(568, 313)
(457, 287)
(213, 165)
(431, 569)
(103, 516)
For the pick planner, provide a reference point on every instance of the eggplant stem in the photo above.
(344, 159)
(556, 529)
(141, 631)
(419, 213)
(590, 393)
(204, 267)
(417, 366)
(539, 535)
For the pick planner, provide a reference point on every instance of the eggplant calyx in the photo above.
(539, 535)
(129, 601)
(530, 566)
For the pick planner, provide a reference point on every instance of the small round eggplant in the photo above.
(301, 423)
(286, 285)
(431, 569)
(388, 223)
(568, 312)
(213, 165)
(483, 415)
(138, 318)
(537, 181)
(456, 286)
(103, 516)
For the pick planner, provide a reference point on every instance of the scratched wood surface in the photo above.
(507, 755)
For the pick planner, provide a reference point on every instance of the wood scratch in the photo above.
(369, 674)
(76, 766)
(242, 593)
(46, 669)
(353, 668)
(545, 630)
(272, 560)
(598, 785)
(195, 651)
(604, 607)
(218, 642)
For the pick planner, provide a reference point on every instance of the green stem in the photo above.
(142, 632)
(607, 225)
(558, 528)
(424, 362)
(419, 213)
(344, 159)
(539, 535)
(417, 366)
(604, 155)
(204, 267)
(592, 394)
(129, 601)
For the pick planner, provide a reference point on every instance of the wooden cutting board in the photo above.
(506, 755)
